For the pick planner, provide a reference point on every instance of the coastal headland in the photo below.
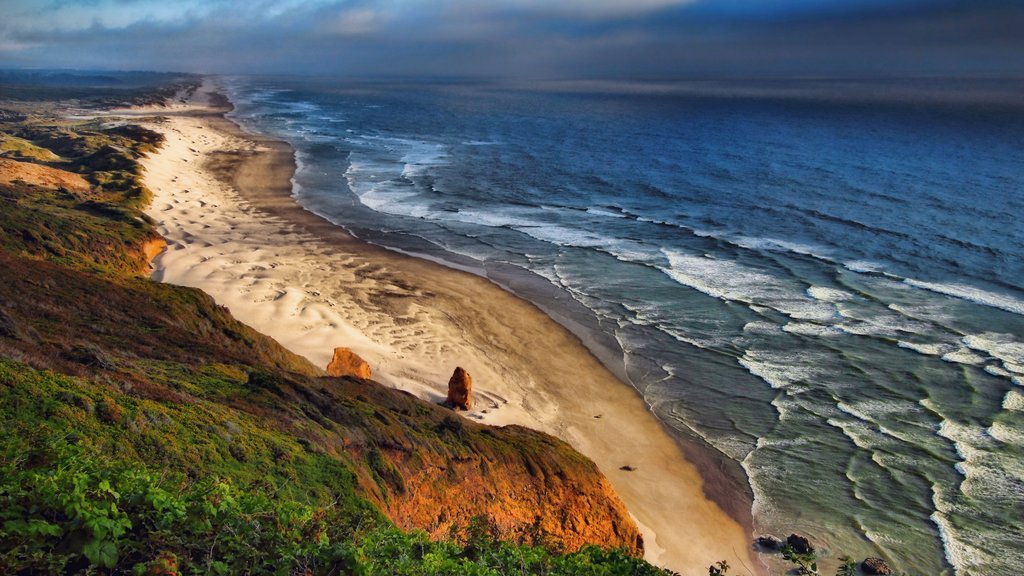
(223, 202)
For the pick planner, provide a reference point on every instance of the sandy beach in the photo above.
(222, 200)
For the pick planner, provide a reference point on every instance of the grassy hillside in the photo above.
(148, 431)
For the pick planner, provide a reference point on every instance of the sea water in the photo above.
(829, 293)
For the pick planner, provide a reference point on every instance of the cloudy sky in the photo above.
(521, 38)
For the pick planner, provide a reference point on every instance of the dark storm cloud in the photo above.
(523, 38)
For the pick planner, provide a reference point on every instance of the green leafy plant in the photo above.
(721, 568)
(806, 564)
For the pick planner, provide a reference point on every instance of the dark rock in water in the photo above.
(875, 566)
(769, 543)
(460, 389)
(800, 544)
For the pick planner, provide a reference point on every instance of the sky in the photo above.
(543, 39)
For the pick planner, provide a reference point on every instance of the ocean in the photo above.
(826, 292)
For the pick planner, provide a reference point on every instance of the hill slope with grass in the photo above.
(147, 430)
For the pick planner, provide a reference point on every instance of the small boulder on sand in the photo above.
(460, 388)
(347, 363)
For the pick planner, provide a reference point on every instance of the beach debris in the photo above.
(875, 565)
(799, 544)
(347, 363)
(769, 543)
(460, 388)
(627, 468)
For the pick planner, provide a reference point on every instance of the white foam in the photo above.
(826, 294)
(809, 329)
(781, 369)
(776, 245)
(1006, 433)
(1005, 347)
(863, 266)
(958, 553)
(970, 293)
(495, 218)
(622, 249)
(964, 356)
(728, 280)
(721, 278)
(421, 156)
(879, 323)
(997, 371)
(1013, 400)
(927, 349)
(606, 213)
(762, 328)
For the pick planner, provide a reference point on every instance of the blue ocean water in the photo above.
(830, 294)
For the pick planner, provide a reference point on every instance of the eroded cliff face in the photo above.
(422, 465)
(536, 497)
(186, 387)
(430, 469)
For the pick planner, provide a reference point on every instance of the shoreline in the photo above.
(223, 200)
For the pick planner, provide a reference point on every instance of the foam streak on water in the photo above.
(830, 296)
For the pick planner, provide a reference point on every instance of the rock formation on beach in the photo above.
(347, 363)
(769, 543)
(875, 566)
(800, 544)
(460, 388)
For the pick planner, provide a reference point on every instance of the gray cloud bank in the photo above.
(604, 39)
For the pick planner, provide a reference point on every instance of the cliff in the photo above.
(98, 360)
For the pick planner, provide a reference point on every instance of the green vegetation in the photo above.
(21, 149)
(847, 568)
(147, 431)
(77, 516)
(806, 563)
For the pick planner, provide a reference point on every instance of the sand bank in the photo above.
(223, 202)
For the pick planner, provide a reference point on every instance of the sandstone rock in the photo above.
(800, 544)
(875, 566)
(460, 388)
(769, 543)
(347, 363)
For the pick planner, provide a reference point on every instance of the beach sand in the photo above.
(223, 202)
